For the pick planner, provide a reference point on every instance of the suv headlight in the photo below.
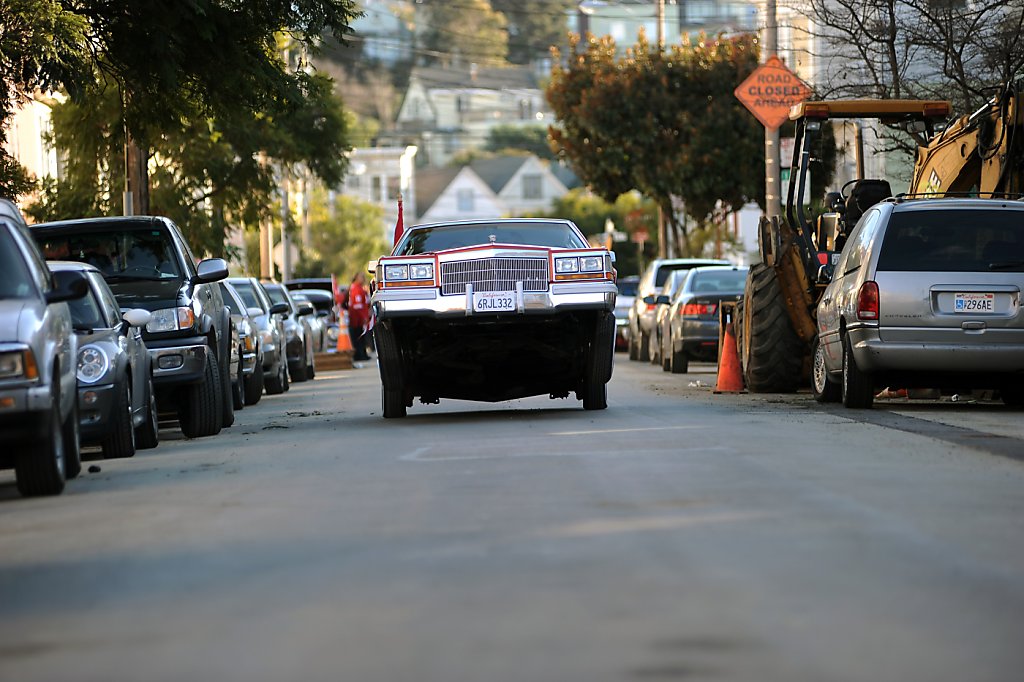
(171, 319)
(93, 364)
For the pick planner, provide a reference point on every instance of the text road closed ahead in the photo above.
(770, 91)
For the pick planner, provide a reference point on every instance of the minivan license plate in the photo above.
(974, 303)
(492, 302)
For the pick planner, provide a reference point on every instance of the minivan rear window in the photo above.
(954, 240)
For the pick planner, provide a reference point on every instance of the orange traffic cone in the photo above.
(730, 378)
(344, 342)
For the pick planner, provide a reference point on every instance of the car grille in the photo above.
(494, 274)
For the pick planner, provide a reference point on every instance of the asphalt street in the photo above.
(677, 535)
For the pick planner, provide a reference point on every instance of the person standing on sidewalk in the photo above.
(358, 316)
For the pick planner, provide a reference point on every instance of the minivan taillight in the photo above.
(867, 301)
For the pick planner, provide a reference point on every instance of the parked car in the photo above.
(308, 311)
(661, 300)
(298, 333)
(323, 302)
(494, 310)
(248, 354)
(641, 314)
(38, 400)
(627, 287)
(926, 294)
(148, 264)
(116, 397)
(269, 323)
(690, 328)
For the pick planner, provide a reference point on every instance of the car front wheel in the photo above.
(120, 440)
(39, 468)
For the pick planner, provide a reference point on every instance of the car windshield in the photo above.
(967, 240)
(247, 292)
(719, 280)
(442, 237)
(142, 254)
(15, 278)
(86, 312)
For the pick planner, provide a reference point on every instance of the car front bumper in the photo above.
(430, 302)
(95, 405)
(182, 361)
(874, 355)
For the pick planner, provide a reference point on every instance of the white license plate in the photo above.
(974, 303)
(493, 302)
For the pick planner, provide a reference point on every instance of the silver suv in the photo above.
(38, 363)
(926, 293)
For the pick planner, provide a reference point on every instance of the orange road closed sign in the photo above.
(770, 91)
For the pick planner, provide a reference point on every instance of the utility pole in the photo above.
(772, 158)
(286, 241)
(663, 250)
(266, 236)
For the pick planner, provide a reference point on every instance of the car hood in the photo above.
(148, 294)
(10, 316)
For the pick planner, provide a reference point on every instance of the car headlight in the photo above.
(396, 272)
(18, 364)
(422, 271)
(567, 265)
(93, 363)
(171, 319)
(591, 264)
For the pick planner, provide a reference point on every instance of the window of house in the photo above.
(376, 192)
(532, 187)
(464, 200)
(394, 187)
(352, 181)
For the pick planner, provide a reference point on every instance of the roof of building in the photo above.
(430, 184)
(498, 170)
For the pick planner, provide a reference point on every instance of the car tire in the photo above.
(680, 362)
(311, 365)
(119, 442)
(644, 344)
(39, 468)
(277, 380)
(771, 355)
(227, 397)
(72, 444)
(238, 388)
(389, 357)
(147, 436)
(286, 379)
(254, 385)
(858, 391)
(634, 346)
(301, 372)
(201, 413)
(823, 388)
(654, 349)
(666, 355)
(598, 364)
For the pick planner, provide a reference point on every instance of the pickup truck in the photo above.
(38, 362)
(148, 264)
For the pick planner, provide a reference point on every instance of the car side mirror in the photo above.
(322, 313)
(650, 300)
(662, 300)
(279, 309)
(211, 270)
(825, 273)
(254, 311)
(306, 308)
(68, 285)
(137, 317)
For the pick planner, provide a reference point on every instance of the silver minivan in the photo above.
(926, 293)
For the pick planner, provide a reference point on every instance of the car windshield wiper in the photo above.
(1006, 265)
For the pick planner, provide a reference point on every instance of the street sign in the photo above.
(640, 236)
(770, 91)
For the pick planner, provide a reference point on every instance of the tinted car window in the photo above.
(726, 280)
(665, 270)
(15, 278)
(247, 292)
(86, 312)
(438, 238)
(229, 300)
(128, 254)
(954, 241)
(276, 295)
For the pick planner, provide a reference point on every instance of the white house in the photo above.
(524, 184)
(445, 194)
(378, 175)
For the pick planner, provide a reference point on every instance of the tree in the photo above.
(664, 123)
(532, 139)
(343, 239)
(213, 60)
(534, 26)
(468, 31)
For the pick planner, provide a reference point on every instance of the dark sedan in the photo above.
(690, 328)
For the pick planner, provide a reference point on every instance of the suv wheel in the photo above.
(39, 467)
(201, 412)
(823, 388)
(148, 434)
(858, 391)
(120, 440)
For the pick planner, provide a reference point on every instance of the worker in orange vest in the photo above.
(358, 305)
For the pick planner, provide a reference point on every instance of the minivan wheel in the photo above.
(823, 388)
(858, 391)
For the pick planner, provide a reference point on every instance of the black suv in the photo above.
(148, 264)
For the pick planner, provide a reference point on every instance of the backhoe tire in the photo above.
(771, 354)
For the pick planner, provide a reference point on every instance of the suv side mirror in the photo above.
(279, 309)
(211, 270)
(68, 286)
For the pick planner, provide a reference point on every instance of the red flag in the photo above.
(399, 226)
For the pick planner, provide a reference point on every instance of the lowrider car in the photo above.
(494, 310)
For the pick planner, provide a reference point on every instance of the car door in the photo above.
(135, 347)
